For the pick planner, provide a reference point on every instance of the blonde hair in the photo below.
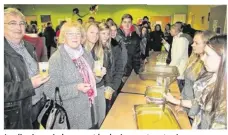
(86, 45)
(194, 61)
(13, 11)
(66, 27)
(206, 35)
(99, 47)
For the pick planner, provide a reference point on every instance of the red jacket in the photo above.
(38, 43)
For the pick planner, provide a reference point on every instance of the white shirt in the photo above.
(179, 53)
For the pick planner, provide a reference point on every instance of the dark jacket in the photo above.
(169, 39)
(114, 66)
(18, 89)
(156, 37)
(49, 35)
(132, 44)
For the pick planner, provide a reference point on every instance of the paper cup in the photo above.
(44, 68)
(97, 68)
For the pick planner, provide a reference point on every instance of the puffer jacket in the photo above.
(132, 44)
(18, 89)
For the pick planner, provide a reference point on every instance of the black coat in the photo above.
(114, 66)
(49, 35)
(156, 38)
(169, 39)
(18, 89)
(132, 44)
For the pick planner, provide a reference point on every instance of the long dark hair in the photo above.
(147, 32)
(156, 26)
(168, 24)
(219, 45)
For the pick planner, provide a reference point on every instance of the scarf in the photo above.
(84, 69)
(128, 32)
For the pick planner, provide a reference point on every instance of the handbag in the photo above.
(53, 115)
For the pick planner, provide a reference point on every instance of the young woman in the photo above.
(194, 66)
(70, 69)
(144, 44)
(112, 62)
(97, 54)
(156, 37)
(209, 105)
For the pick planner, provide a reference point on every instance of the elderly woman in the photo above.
(71, 71)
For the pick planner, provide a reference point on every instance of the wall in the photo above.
(218, 13)
(104, 11)
(199, 11)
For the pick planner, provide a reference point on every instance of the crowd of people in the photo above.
(199, 56)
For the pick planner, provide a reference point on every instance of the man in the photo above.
(130, 43)
(179, 51)
(80, 21)
(22, 91)
(91, 19)
(49, 35)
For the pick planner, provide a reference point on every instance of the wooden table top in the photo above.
(121, 115)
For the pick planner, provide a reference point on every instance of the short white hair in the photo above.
(13, 11)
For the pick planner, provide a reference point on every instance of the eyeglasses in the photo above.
(72, 34)
(14, 24)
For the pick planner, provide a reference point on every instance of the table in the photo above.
(121, 115)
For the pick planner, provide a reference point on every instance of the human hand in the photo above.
(163, 41)
(103, 71)
(84, 87)
(38, 80)
(178, 109)
(171, 99)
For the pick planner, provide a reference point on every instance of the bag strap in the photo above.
(60, 98)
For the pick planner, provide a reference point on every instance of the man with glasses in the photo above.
(22, 83)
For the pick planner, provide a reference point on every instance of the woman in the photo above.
(156, 37)
(109, 21)
(70, 69)
(112, 62)
(194, 66)
(169, 39)
(144, 44)
(97, 54)
(209, 105)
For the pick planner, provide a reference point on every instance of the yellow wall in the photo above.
(199, 11)
(116, 11)
(104, 11)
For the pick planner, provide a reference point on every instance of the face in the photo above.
(104, 36)
(14, 29)
(145, 19)
(113, 31)
(173, 31)
(145, 25)
(167, 27)
(198, 44)
(92, 34)
(143, 31)
(210, 59)
(73, 37)
(157, 28)
(91, 20)
(79, 21)
(126, 23)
